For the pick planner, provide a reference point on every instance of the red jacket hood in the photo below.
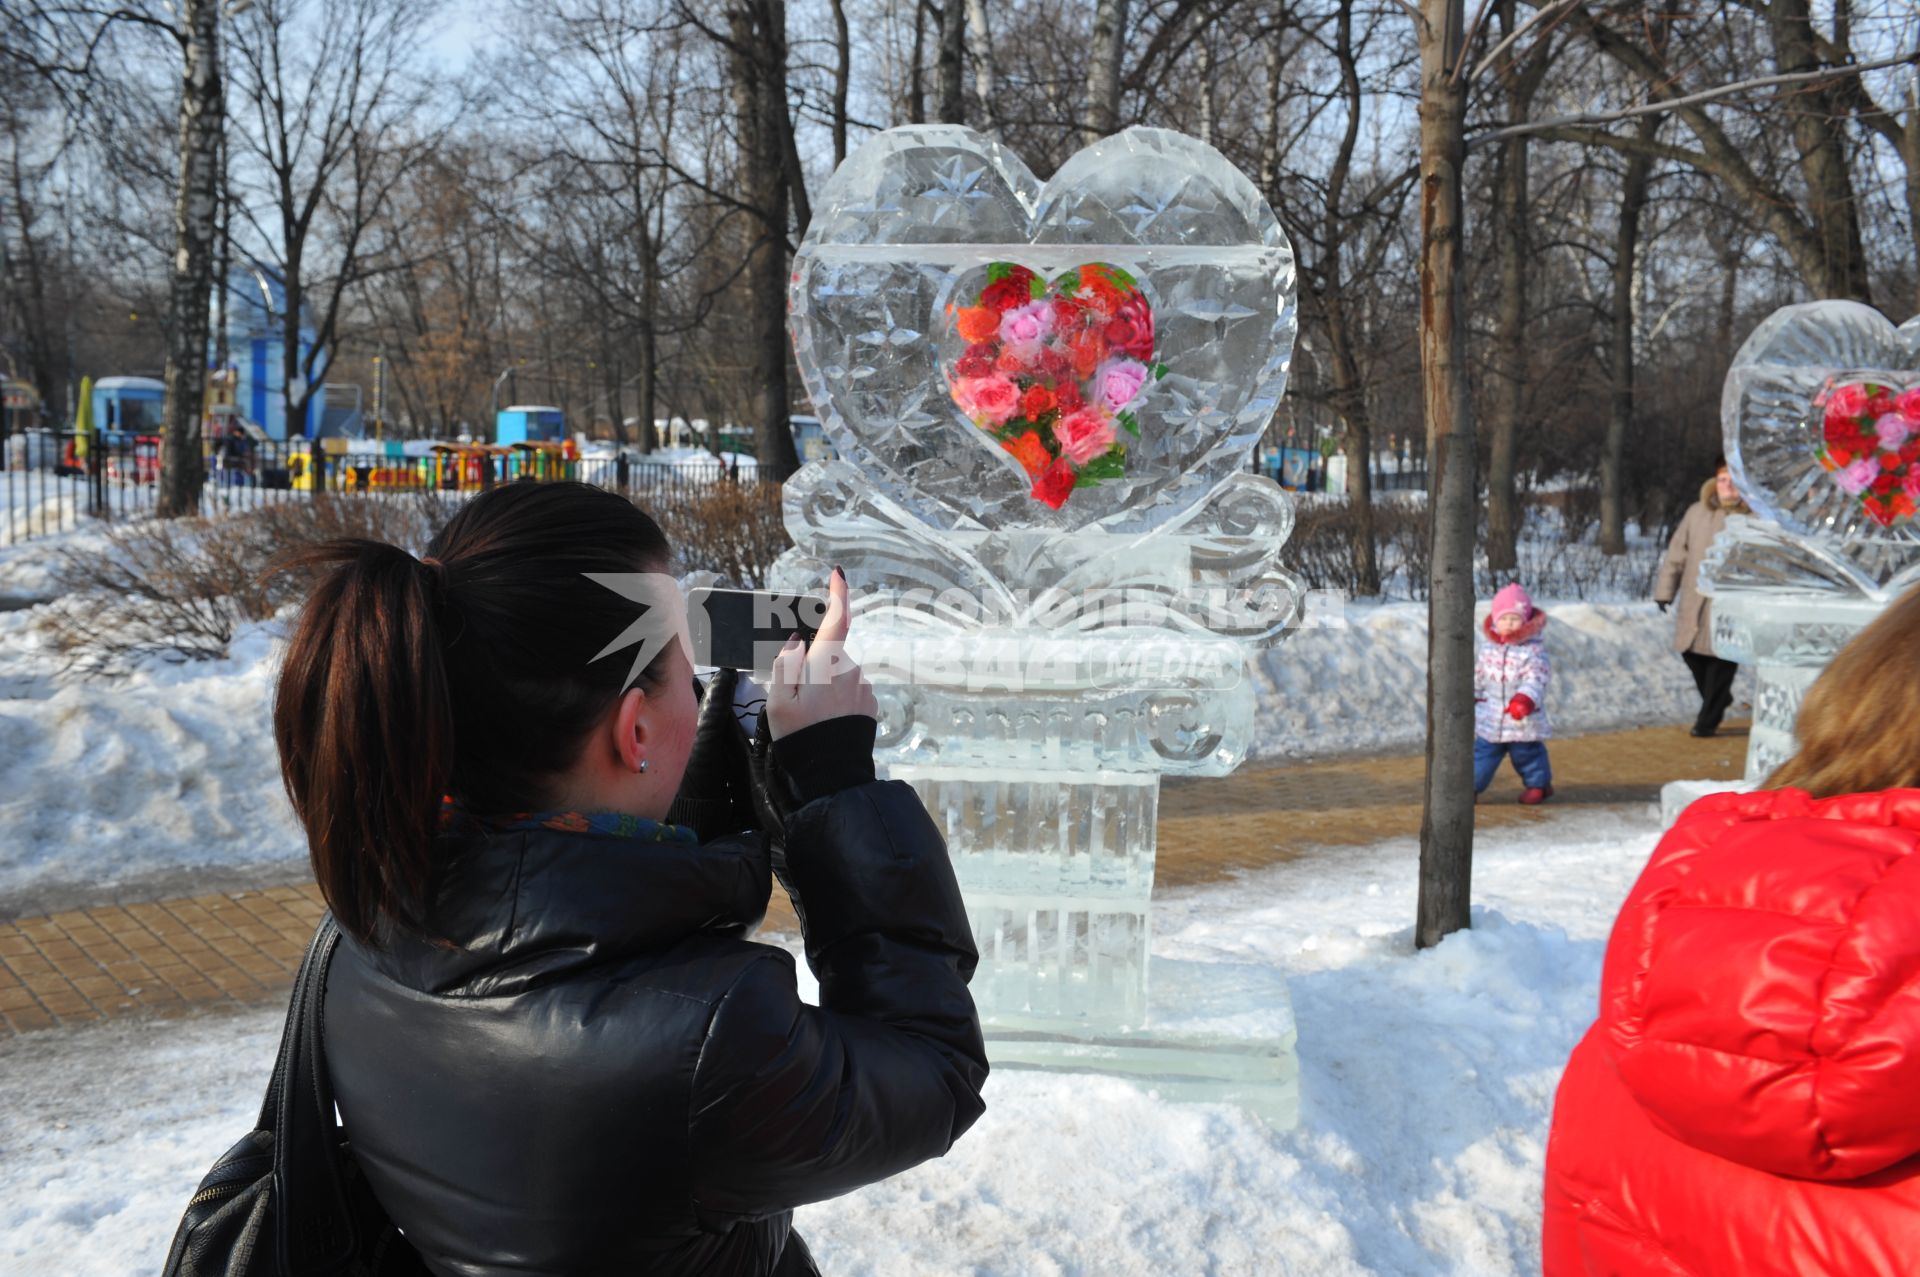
(1761, 994)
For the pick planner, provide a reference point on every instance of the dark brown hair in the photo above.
(469, 673)
(1859, 726)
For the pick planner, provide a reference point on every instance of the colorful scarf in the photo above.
(614, 824)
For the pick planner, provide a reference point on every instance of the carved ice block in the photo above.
(1044, 397)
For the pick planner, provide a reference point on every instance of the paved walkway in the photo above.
(234, 948)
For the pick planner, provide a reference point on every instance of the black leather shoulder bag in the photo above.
(288, 1199)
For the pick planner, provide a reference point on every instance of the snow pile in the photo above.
(1361, 686)
(38, 503)
(110, 780)
(1427, 1085)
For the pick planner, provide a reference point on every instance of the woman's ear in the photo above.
(630, 730)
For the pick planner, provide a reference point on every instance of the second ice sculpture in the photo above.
(1044, 398)
(1821, 419)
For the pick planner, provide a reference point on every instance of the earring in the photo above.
(643, 764)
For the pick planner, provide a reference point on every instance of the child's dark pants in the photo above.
(1529, 759)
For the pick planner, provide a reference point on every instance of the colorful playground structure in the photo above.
(373, 465)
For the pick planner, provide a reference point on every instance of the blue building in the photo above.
(256, 305)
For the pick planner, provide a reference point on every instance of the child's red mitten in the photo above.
(1520, 706)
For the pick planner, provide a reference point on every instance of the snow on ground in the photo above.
(1358, 684)
(1427, 1085)
(107, 782)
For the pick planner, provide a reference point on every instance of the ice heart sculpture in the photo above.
(941, 285)
(1822, 423)
(1057, 371)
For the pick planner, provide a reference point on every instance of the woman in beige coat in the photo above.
(1678, 587)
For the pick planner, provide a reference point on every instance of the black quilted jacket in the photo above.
(602, 1075)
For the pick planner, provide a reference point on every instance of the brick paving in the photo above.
(234, 948)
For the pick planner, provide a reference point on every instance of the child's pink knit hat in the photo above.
(1513, 598)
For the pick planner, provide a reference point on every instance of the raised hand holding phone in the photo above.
(815, 682)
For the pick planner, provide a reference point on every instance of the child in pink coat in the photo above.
(1510, 676)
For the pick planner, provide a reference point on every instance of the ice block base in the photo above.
(1215, 1033)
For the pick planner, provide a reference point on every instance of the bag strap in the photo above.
(315, 1232)
(270, 1106)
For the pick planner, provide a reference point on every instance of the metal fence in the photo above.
(52, 480)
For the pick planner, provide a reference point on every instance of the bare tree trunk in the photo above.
(981, 41)
(1206, 90)
(1509, 355)
(649, 389)
(1349, 391)
(1270, 129)
(195, 227)
(1626, 246)
(222, 356)
(1511, 219)
(1446, 827)
(953, 47)
(1910, 155)
(1350, 401)
(649, 338)
(760, 98)
(917, 78)
(1727, 311)
(610, 371)
(1819, 135)
(1102, 115)
(842, 69)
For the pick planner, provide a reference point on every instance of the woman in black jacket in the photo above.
(553, 1048)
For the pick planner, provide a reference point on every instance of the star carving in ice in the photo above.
(956, 179)
(1146, 209)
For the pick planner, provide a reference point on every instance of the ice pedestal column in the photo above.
(1048, 796)
(1057, 872)
(1788, 639)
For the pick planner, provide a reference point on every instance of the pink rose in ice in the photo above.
(1848, 401)
(1908, 404)
(1117, 381)
(1024, 328)
(994, 398)
(1084, 435)
(1857, 477)
(1893, 430)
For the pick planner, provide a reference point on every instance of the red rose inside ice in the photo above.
(1870, 443)
(1056, 372)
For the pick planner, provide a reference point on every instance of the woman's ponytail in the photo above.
(472, 674)
(364, 725)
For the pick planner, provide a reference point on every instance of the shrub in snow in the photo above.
(178, 588)
(732, 529)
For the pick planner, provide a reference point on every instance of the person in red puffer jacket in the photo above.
(1749, 1100)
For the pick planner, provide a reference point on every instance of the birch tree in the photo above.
(196, 210)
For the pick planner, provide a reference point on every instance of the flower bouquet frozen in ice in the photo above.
(1055, 370)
